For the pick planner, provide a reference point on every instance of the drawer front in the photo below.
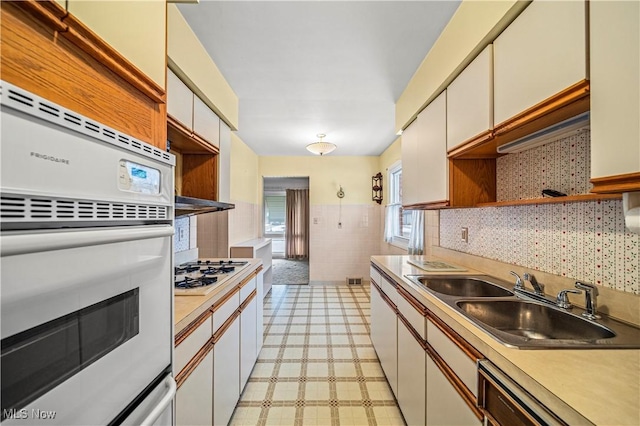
(415, 318)
(389, 289)
(247, 288)
(191, 345)
(464, 367)
(223, 312)
(375, 275)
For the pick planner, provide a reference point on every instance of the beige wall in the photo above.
(474, 25)
(136, 29)
(326, 174)
(191, 62)
(246, 183)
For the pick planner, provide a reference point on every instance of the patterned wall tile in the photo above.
(181, 225)
(585, 241)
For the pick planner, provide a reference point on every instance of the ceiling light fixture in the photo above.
(321, 147)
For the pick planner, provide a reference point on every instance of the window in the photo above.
(400, 220)
(274, 214)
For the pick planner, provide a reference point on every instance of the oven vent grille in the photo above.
(16, 208)
(22, 100)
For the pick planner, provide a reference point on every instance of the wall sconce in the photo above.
(376, 188)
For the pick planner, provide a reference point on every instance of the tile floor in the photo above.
(317, 366)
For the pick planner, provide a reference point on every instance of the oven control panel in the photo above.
(138, 178)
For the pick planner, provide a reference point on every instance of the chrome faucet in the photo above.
(590, 300)
(537, 288)
(537, 294)
(562, 300)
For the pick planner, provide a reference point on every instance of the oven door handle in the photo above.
(170, 383)
(47, 241)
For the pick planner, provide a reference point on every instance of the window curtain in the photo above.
(389, 223)
(297, 224)
(416, 238)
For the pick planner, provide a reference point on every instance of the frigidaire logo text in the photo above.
(49, 158)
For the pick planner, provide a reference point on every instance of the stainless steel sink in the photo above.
(520, 323)
(461, 286)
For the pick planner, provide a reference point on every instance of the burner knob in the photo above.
(199, 262)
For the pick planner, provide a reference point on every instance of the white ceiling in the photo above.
(302, 68)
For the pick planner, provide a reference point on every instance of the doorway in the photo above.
(286, 222)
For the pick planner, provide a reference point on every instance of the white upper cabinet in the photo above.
(425, 171)
(615, 87)
(470, 100)
(205, 122)
(410, 172)
(433, 166)
(179, 100)
(539, 55)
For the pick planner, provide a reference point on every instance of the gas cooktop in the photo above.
(200, 277)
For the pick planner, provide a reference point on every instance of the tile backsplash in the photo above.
(585, 240)
(563, 165)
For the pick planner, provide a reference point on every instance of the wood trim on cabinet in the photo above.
(193, 363)
(248, 300)
(217, 335)
(44, 51)
(248, 279)
(412, 301)
(80, 35)
(433, 205)
(469, 350)
(412, 331)
(216, 305)
(385, 275)
(455, 381)
(616, 184)
(193, 325)
(185, 141)
(386, 298)
(554, 103)
(47, 12)
(553, 200)
(471, 144)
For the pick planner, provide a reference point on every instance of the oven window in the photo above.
(37, 360)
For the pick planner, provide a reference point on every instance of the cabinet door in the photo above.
(470, 100)
(410, 171)
(205, 122)
(136, 29)
(259, 312)
(539, 55)
(194, 397)
(248, 340)
(226, 374)
(433, 165)
(411, 377)
(224, 164)
(445, 406)
(384, 336)
(179, 100)
(615, 87)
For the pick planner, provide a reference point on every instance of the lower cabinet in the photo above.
(226, 374)
(384, 332)
(193, 399)
(411, 377)
(248, 340)
(445, 406)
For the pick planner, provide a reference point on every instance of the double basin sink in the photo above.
(520, 323)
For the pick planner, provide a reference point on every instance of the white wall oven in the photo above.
(86, 270)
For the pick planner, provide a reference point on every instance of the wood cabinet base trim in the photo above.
(193, 363)
(185, 141)
(553, 200)
(472, 144)
(385, 275)
(217, 335)
(248, 300)
(413, 332)
(464, 346)
(386, 298)
(468, 397)
(186, 332)
(90, 43)
(415, 303)
(433, 205)
(216, 305)
(628, 182)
